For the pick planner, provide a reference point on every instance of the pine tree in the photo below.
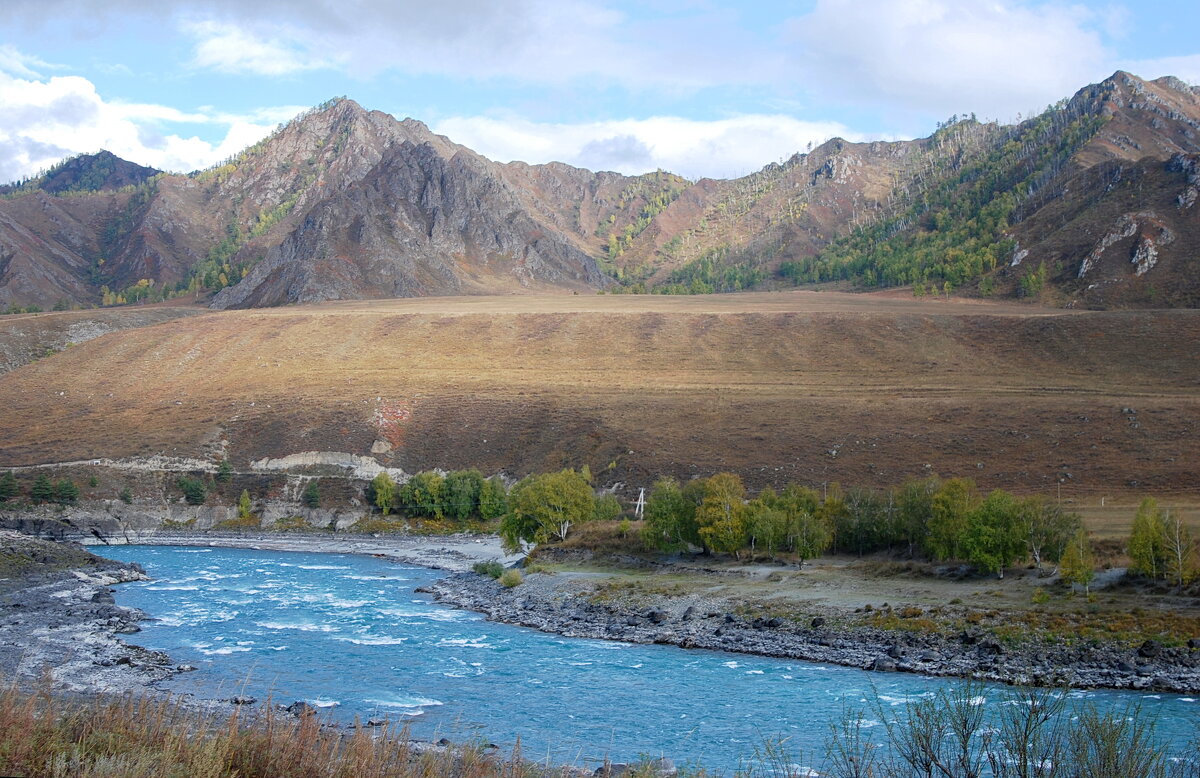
(245, 507)
(8, 486)
(311, 497)
(65, 492)
(42, 490)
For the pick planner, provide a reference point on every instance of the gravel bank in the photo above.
(59, 623)
(569, 606)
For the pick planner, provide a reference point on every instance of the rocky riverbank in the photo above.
(576, 607)
(60, 624)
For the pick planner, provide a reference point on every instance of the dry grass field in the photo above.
(814, 387)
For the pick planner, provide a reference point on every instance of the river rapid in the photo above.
(350, 635)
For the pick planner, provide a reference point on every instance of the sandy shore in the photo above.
(455, 553)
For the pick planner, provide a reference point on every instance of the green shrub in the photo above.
(194, 490)
(492, 569)
(510, 578)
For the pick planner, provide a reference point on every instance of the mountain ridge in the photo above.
(347, 203)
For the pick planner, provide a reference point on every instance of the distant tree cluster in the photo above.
(943, 520)
(459, 495)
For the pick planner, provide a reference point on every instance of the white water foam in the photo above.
(408, 706)
(302, 626)
(223, 650)
(380, 640)
(479, 642)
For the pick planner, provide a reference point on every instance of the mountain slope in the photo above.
(1090, 203)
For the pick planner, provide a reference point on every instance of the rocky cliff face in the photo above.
(344, 203)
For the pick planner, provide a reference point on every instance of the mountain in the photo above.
(99, 172)
(1090, 203)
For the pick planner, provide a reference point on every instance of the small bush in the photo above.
(379, 526)
(510, 578)
(492, 569)
(1040, 596)
(194, 490)
(290, 524)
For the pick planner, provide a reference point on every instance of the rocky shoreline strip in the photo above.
(454, 553)
(569, 606)
(60, 624)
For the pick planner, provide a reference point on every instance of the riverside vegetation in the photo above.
(948, 735)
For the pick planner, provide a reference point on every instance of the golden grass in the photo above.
(798, 386)
(44, 737)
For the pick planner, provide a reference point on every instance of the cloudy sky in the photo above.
(700, 87)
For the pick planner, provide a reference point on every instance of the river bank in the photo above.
(60, 625)
(581, 607)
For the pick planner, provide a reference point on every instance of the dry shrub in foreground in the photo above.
(44, 737)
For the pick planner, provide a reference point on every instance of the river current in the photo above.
(350, 635)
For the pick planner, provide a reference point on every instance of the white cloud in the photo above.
(722, 148)
(231, 49)
(21, 64)
(534, 41)
(45, 120)
(994, 57)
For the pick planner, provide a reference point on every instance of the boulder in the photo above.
(243, 699)
(883, 664)
(301, 708)
(1150, 649)
(817, 622)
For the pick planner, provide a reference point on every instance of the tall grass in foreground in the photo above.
(1033, 733)
(1030, 733)
(42, 736)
